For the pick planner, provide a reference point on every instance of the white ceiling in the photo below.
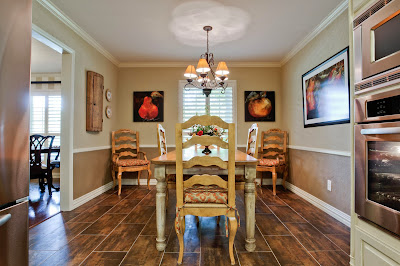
(139, 31)
(44, 59)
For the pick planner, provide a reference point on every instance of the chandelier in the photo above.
(207, 79)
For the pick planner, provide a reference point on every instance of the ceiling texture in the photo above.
(171, 30)
(44, 59)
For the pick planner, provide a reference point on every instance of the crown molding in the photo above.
(78, 30)
(185, 64)
(328, 20)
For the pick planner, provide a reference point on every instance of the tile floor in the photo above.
(121, 230)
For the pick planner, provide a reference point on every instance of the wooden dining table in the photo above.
(245, 165)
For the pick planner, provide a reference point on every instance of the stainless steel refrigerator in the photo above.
(15, 56)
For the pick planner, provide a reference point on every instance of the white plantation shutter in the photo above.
(38, 114)
(194, 102)
(46, 115)
(221, 104)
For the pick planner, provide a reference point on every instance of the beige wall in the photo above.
(86, 58)
(91, 169)
(166, 79)
(311, 170)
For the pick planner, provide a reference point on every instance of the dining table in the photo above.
(245, 165)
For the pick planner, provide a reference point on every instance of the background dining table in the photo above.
(245, 165)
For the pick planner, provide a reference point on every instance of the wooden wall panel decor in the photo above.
(94, 102)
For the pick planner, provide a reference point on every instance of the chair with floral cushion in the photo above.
(274, 155)
(125, 156)
(206, 194)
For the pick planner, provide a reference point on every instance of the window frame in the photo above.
(230, 83)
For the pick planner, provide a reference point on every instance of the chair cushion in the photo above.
(268, 162)
(132, 162)
(206, 194)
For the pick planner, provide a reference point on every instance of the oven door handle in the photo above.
(382, 130)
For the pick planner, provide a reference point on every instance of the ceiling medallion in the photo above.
(207, 79)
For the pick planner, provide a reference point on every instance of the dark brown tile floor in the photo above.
(41, 204)
(121, 230)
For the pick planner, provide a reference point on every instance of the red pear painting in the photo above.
(148, 106)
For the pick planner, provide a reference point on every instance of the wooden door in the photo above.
(94, 103)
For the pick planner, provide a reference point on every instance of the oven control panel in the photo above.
(384, 107)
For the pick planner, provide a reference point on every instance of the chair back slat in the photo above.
(252, 140)
(206, 141)
(205, 160)
(161, 140)
(125, 141)
(206, 180)
(205, 120)
(274, 143)
(37, 143)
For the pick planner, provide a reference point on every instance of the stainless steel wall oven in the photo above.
(377, 159)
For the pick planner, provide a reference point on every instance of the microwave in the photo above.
(377, 46)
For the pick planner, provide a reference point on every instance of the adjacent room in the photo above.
(187, 132)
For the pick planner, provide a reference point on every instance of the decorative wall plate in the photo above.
(108, 95)
(108, 112)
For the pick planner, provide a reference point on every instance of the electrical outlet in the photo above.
(329, 185)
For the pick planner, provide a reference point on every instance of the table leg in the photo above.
(250, 201)
(159, 174)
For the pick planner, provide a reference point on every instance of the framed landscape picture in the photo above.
(326, 94)
(259, 106)
(148, 106)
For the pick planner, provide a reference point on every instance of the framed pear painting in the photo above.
(148, 106)
(259, 106)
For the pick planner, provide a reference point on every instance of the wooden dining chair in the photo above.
(274, 155)
(206, 195)
(40, 167)
(125, 156)
(252, 150)
(162, 150)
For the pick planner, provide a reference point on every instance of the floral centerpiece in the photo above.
(210, 130)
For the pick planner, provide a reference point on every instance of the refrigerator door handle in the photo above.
(4, 219)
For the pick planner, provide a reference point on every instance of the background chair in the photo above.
(274, 155)
(205, 195)
(38, 169)
(125, 156)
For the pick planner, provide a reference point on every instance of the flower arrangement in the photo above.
(207, 130)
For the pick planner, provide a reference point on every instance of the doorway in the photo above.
(51, 102)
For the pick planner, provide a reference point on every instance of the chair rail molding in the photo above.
(88, 149)
(327, 151)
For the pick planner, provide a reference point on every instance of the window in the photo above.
(194, 102)
(46, 115)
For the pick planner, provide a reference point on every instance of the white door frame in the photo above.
(67, 116)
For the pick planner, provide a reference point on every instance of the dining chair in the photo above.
(162, 150)
(207, 194)
(125, 156)
(274, 155)
(38, 168)
(252, 150)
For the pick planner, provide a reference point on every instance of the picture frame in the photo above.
(148, 106)
(326, 92)
(259, 106)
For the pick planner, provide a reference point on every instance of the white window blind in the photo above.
(46, 115)
(220, 104)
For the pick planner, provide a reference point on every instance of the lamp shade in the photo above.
(202, 66)
(222, 69)
(190, 72)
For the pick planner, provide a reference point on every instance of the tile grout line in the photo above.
(140, 231)
(315, 228)
(291, 231)
(89, 224)
(115, 193)
(273, 253)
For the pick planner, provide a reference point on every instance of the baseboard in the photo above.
(91, 195)
(133, 182)
(332, 211)
(268, 181)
